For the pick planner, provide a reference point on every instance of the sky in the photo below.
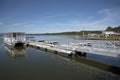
(51, 16)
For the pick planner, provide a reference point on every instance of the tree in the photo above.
(109, 28)
(117, 29)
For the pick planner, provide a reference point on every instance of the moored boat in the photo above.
(14, 39)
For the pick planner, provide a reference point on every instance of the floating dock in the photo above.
(75, 50)
(50, 48)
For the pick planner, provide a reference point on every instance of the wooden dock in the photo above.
(50, 48)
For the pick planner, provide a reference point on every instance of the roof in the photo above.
(110, 32)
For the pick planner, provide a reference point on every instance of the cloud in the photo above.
(1, 23)
(109, 17)
(55, 15)
(105, 11)
(18, 24)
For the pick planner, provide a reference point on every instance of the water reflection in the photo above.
(15, 53)
(91, 69)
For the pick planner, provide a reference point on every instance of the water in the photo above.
(33, 64)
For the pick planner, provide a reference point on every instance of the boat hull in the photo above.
(15, 39)
(13, 45)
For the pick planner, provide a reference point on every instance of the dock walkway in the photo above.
(49, 47)
(76, 50)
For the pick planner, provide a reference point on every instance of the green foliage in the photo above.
(116, 29)
(109, 28)
(78, 33)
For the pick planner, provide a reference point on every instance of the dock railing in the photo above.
(101, 47)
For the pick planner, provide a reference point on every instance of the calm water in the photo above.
(33, 64)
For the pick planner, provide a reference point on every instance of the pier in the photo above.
(49, 48)
(79, 49)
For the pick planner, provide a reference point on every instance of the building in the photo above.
(110, 35)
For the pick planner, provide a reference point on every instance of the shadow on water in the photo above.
(103, 71)
(99, 65)
(15, 53)
(88, 62)
(106, 63)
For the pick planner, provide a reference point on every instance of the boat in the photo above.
(14, 39)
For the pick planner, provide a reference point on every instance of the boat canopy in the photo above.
(20, 36)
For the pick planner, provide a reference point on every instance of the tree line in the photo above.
(109, 28)
(79, 33)
(85, 32)
(115, 29)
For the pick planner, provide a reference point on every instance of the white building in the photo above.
(110, 33)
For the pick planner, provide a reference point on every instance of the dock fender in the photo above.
(70, 54)
(46, 49)
(27, 45)
(38, 47)
(55, 52)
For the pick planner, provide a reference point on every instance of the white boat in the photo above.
(14, 39)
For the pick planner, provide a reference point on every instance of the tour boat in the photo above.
(14, 39)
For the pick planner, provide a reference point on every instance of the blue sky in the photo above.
(47, 16)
